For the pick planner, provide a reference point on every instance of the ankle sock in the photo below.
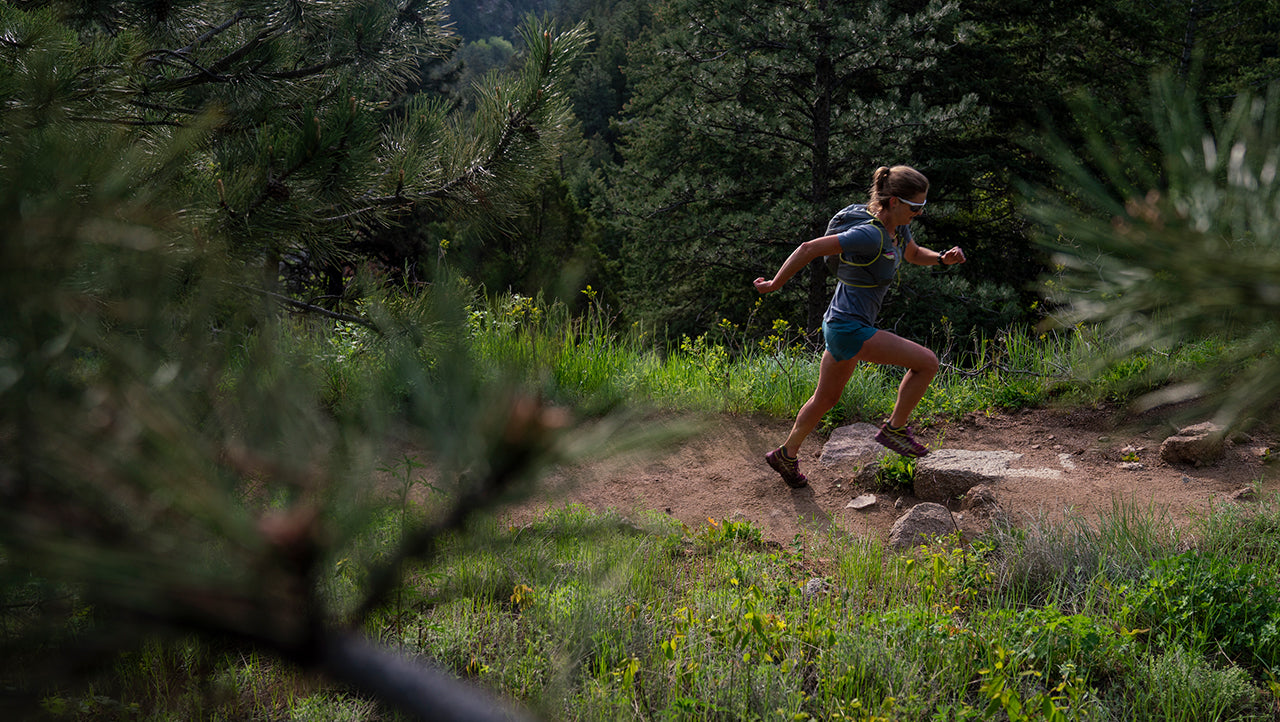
(782, 452)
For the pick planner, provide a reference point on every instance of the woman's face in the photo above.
(904, 212)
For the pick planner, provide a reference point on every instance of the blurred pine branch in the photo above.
(1175, 237)
(167, 460)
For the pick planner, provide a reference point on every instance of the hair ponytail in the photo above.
(900, 180)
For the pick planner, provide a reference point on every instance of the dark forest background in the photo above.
(715, 135)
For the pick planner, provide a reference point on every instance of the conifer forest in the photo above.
(253, 250)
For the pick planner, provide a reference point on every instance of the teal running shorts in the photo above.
(845, 338)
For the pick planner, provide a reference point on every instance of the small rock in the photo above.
(816, 586)
(861, 502)
(897, 503)
(1104, 439)
(1035, 446)
(1245, 494)
(980, 496)
(1131, 466)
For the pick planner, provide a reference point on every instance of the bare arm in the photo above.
(922, 256)
(799, 258)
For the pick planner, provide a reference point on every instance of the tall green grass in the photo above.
(587, 359)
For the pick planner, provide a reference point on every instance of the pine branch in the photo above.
(309, 308)
(213, 32)
(411, 687)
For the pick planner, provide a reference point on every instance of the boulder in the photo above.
(947, 474)
(1197, 445)
(921, 525)
(853, 446)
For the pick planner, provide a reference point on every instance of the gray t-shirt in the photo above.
(868, 262)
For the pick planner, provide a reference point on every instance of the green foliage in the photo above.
(932, 307)
(896, 472)
(1182, 685)
(1000, 686)
(728, 531)
(172, 455)
(1047, 640)
(1243, 533)
(1211, 605)
(1152, 246)
(594, 617)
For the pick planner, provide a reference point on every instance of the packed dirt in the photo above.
(719, 472)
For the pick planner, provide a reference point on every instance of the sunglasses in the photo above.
(917, 207)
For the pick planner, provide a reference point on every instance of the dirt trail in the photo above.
(720, 473)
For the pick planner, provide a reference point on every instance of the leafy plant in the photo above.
(727, 531)
(1211, 604)
(1182, 685)
(896, 471)
(1001, 685)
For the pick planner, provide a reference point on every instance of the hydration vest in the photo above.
(864, 270)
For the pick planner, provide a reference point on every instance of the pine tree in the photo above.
(317, 142)
(751, 123)
(170, 461)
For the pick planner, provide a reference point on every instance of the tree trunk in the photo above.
(820, 181)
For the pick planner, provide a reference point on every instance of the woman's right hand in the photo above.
(765, 285)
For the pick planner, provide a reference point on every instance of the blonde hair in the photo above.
(900, 180)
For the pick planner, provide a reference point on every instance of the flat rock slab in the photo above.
(947, 474)
(852, 445)
(861, 502)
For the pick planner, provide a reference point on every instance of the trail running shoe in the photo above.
(901, 441)
(788, 468)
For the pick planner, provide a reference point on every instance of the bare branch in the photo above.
(310, 308)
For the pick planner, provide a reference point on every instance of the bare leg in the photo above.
(832, 377)
(922, 365)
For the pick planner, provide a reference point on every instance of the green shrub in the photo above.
(932, 308)
(1046, 640)
(1211, 604)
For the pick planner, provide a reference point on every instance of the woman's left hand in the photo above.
(952, 256)
(765, 285)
